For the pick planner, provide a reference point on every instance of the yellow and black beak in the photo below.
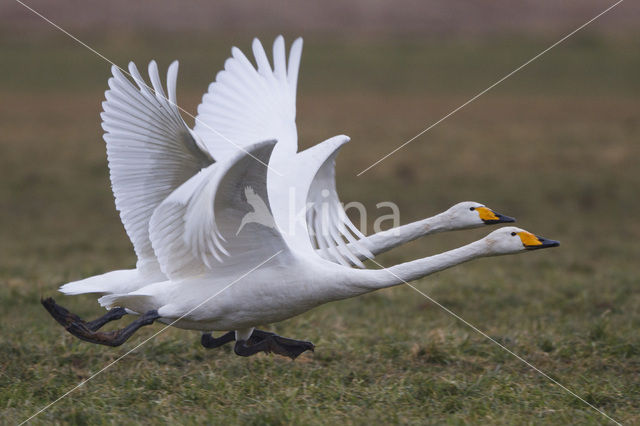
(534, 242)
(489, 217)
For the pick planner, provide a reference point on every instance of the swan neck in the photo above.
(438, 223)
(391, 238)
(416, 269)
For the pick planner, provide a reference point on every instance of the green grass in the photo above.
(555, 146)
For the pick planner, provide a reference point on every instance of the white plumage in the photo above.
(204, 211)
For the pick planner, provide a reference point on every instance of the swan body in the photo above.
(289, 285)
(232, 226)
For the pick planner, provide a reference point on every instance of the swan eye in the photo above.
(472, 208)
(513, 234)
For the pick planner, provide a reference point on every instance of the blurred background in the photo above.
(556, 146)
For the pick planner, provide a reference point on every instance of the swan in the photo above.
(178, 191)
(144, 123)
(265, 277)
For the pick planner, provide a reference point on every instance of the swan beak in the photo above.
(489, 217)
(535, 242)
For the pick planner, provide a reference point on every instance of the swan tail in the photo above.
(122, 281)
(133, 302)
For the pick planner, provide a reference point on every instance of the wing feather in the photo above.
(150, 149)
(295, 54)
(327, 218)
(246, 103)
(194, 230)
(250, 102)
(279, 59)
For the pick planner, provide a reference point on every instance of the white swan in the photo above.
(183, 213)
(265, 277)
(242, 105)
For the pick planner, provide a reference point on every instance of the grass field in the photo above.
(556, 146)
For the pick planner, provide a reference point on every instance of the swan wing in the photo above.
(150, 150)
(327, 220)
(307, 209)
(245, 104)
(194, 230)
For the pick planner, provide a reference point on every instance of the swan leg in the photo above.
(64, 317)
(111, 315)
(112, 338)
(79, 328)
(210, 342)
(264, 341)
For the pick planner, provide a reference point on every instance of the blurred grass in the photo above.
(556, 146)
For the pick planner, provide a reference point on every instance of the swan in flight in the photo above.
(184, 194)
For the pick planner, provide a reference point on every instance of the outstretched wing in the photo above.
(150, 150)
(327, 221)
(194, 230)
(245, 104)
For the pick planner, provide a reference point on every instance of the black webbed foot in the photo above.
(264, 341)
(87, 331)
(290, 347)
(66, 318)
(112, 338)
(59, 313)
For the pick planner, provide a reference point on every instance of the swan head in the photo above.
(470, 214)
(511, 239)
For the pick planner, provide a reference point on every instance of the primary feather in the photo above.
(150, 150)
(246, 104)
